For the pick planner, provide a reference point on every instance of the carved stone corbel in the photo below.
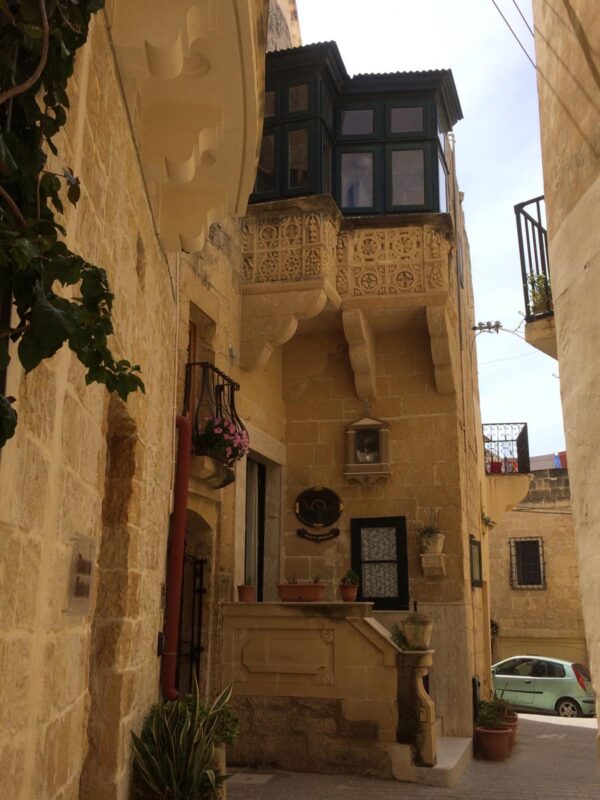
(362, 352)
(271, 319)
(442, 338)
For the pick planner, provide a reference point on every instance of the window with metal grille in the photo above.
(527, 564)
(379, 557)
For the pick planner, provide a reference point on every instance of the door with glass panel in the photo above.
(255, 525)
(379, 557)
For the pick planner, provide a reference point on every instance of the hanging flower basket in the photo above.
(222, 439)
(218, 431)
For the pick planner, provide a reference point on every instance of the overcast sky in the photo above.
(498, 163)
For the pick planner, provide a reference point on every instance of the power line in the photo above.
(497, 7)
(516, 5)
(510, 358)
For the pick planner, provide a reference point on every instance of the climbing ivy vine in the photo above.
(38, 43)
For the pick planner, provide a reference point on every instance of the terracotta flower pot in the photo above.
(301, 592)
(247, 594)
(493, 744)
(348, 592)
(511, 719)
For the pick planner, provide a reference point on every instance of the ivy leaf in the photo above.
(24, 251)
(8, 420)
(74, 192)
(49, 327)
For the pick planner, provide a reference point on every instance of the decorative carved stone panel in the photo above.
(392, 261)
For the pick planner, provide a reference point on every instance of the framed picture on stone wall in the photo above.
(476, 571)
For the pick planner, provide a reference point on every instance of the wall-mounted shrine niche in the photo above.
(368, 451)
(377, 143)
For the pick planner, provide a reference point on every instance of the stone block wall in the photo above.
(56, 482)
(547, 621)
(316, 686)
(569, 98)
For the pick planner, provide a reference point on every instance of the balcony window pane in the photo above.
(443, 182)
(355, 123)
(408, 178)
(270, 104)
(298, 98)
(404, 120)
(265, 177)
(357, 180)
(298, 158)
(327, 168)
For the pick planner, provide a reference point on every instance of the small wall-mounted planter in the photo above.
(301, 592)
(433, 564)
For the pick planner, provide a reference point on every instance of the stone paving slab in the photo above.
(553, 759)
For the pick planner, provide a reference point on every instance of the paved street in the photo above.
(553, 759)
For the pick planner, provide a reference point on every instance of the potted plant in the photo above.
(247, 592)
(295, 592)
(540, 294)
(431, 541)
(349, 586)
(509, 717)
(493, 736)
(417, 629)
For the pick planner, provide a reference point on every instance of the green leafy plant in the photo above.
(487, 521)
(398, 637)
(540, 292)
(292, 579)
(429, 530)
(489, 715)
(173, 758)
(350, 579)
(249, 581)
(38, 43)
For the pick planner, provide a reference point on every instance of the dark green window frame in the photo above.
(378, 172)
(378, 133)
(309, 186)
(401, 602)
(429, 119)
(430, 176)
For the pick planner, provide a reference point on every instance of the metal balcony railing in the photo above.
(209, 399)
(533, 252)
(506, 448)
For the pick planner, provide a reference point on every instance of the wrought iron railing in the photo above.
(506, 448)
(533, 252)
(209, 400)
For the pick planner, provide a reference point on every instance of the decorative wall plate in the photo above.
(318, 507)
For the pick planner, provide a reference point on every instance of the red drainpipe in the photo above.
(176, 554)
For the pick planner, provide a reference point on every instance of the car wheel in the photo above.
(566, 707)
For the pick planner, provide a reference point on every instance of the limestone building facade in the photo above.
(567, 36)
(315, 318)
(534, 579)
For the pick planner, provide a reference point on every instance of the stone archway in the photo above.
(111, 678)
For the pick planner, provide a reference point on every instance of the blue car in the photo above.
(537, 683)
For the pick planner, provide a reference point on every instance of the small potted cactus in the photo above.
(247, 591)
(349, 586)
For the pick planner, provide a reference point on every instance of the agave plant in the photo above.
(174, 757)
